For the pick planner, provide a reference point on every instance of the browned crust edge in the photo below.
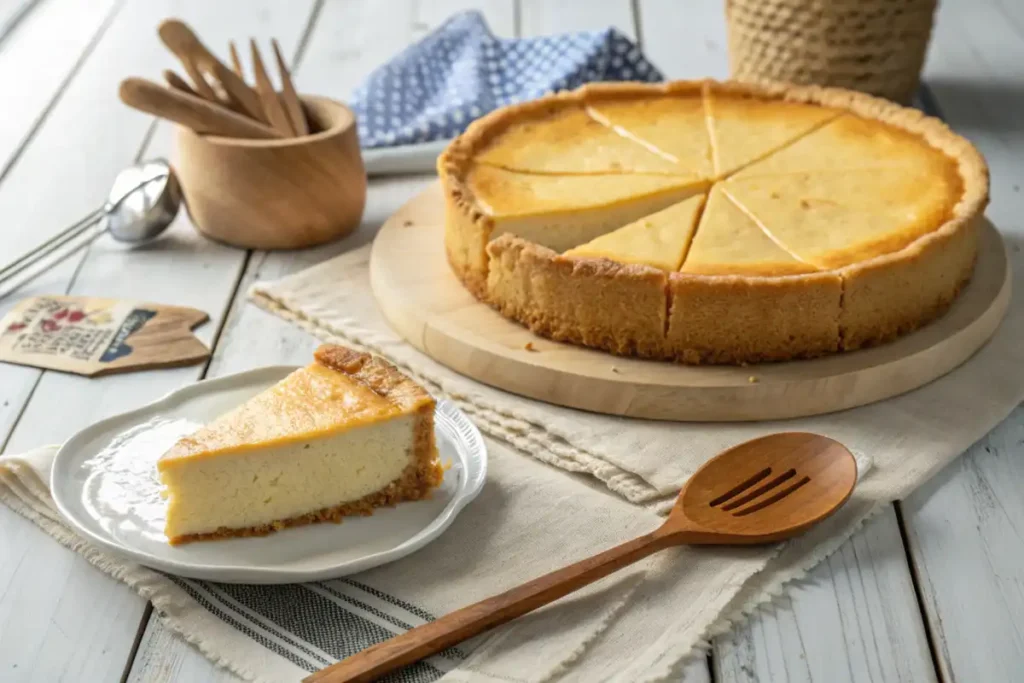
(733, 319)
(888, 284)
(417, 481)
(574, 299)
(380, 376)
(920, 255)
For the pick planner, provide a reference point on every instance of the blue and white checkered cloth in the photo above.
(461, 71)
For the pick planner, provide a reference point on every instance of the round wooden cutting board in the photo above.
(428, 306)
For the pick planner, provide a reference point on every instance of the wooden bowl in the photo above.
(277, 194)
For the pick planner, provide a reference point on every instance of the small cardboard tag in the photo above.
(94, 337)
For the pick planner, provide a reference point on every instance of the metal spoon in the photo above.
(764, 490)
(143, 201)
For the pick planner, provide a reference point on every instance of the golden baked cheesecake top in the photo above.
(563, 211)
(569, 140)
(827, 186)
(659, 240)
(832, 219)
(342, 389)
(746, 129)
(672, 126)
(730, 242)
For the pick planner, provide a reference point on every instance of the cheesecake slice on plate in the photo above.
(342, 436)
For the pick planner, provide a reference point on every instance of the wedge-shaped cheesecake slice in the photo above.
(561, 212)
(342, 436)
(729, 242)
(850, 142)
(659, 240)
(673, 124)
(834, 218)
(571, 141)
(740, 296)
(747, 129)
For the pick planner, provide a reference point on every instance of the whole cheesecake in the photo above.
(708, 222)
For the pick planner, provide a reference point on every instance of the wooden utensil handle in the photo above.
(183, 42)
(272, 107)
(178, 83)
(238, 91)
(291, 99)
(194, 112)
(473, 620)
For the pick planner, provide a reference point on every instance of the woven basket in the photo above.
(875, 46)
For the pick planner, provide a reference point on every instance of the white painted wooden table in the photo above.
(930, 590)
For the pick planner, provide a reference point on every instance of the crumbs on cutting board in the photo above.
(530, 347)
(616, 370)
(753, 379)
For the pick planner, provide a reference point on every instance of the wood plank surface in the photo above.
(53, 37)
(964, 528)
(685, 40)
(163, 657)
(854, 619)
(74, 622)
(543, 17)
(71, 25)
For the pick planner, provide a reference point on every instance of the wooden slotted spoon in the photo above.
(764, 490)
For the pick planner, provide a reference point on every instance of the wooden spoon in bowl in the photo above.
(190, 110)
(185, 44)
(764, 490)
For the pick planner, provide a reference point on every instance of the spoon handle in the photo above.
(67, 241)
(191, 111)
(473, 620)
(59, 241)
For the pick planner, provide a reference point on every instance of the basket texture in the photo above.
(875, 46)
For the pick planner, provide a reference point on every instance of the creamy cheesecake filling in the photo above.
(566, 230)
(251, 489)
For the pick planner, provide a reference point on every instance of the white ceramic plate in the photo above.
(418, 158)
(105, 484)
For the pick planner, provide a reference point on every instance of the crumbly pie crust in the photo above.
(637, 310)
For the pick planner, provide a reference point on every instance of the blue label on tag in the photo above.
(132, 323)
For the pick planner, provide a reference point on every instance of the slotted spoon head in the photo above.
(764, 490)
